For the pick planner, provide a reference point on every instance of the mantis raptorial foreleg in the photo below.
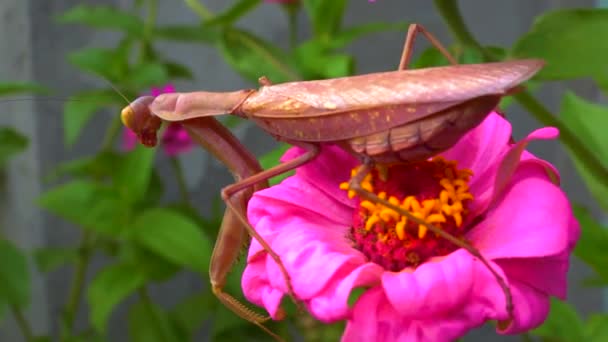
(218, 140)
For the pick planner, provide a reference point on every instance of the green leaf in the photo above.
(104, 17)
(234, 13)
(563, 323)
(14, 275)
(80, 108)
(110, 287)
(317, 62)
(99, 166)
(326, 16)
(87, 204)
(155, 267)
(133, 175)
(430, 57)
(272, 158)
(569, 41)
(146, 75)
(588, 121)
(173, 236)
(596, 328)
(188, 34)
(252, 57)
(177, 71)
(50, 258)
(11, 143)
(110, 64)
(190, 314)
(345, 37)
(149, 323)
(20, 88)
(593, 242)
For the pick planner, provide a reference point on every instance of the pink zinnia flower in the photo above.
(418, 287)
(175, 139)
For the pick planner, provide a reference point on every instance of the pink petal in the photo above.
(530, 310)
(257, 289)
(176, 140)
(331, 167)
(129, 140)
(531, 219)
(445, 285)
(548, 275)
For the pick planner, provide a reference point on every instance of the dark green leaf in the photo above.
(272, 158)
(326, 16)
(147, 75)
(107, 63)
(87, 204)
(429, 58)
(79, 109)
(563, 323)
(176, 71)
(99, 166)
(104, 17)
(155, 267)
(188, 34)
(569, 41)
(355, 294)
(345, 37)
(149, 323)
(191, 312)
(21, 88)
(173, 236)
(596, 328)
(252, 57)
(239, 9)
(593, 242)
(50, 258)
(588, 121)
(11, 143)
(133, 175)
(14, 275)
(110, 287)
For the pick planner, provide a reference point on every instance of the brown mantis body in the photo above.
(399, 116)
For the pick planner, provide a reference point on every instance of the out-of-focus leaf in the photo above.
(107, 63)
(99, 166)
(316, 62)
(252, 57)
(147, 75)
(176, 70)
(21, 88)
(188, 34)
(569, 41)
(189, 315)
(14, 275)
(531, 86)
(155, 267)
(87, 204)
(345, 37)
(588, 121)
(174, 237)
(11, 143)
(104, 17)
(596, 328)
(80, 108)
(149, 323)
(133, 175)
(563, 324)
(326, 16)
(50, 258)
(592, 245)
(110, 287)
(236, 11)
(272, 158)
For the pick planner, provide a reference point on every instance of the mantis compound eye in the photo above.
(138, 118)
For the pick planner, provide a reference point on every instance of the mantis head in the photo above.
(138, 118)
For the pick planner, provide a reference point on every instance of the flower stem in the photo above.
(77, 285)
(111, 133)
(151, 18)
(181, 180)
(451, 14)
(199, 9)
(23, 324)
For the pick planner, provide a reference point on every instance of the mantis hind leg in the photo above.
(355, 185)
(229, 195)
(408, 46)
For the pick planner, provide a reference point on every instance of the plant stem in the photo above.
(292, 16)
(181, 181)
(111, 133)
(77, 285)
(151, 18)
(23, 324)
(199, 9)
(451, 13)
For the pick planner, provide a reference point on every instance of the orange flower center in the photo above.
(433, 190)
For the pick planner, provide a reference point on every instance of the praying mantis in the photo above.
(398, 116)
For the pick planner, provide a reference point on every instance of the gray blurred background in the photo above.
(33, 47)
